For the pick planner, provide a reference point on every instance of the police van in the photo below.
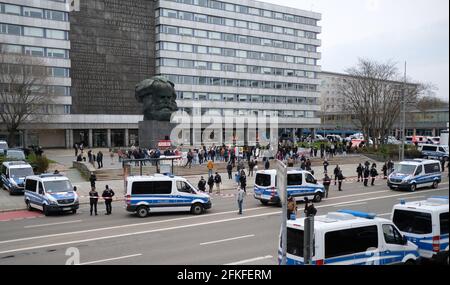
(413, 174)
(50, 193)
(425, 223)
(432, 151)
(299, 184)
(349, 238)
(13, 175)
(163, 193)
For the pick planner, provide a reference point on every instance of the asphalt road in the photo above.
(220, 236)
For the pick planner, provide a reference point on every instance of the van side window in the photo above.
(413, 222)
(151, 187)
(418, 170)
(432, 168)
(184, 187)
(350, 241)
(428, 148)
(294, 179)
(391, 235)
(41, 188)
(30, 185)
(443, 219)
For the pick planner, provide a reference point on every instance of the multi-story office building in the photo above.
(235, 58)
(241, 58)
(335, 119)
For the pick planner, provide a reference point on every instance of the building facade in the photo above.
(232, 58)
(335, 120)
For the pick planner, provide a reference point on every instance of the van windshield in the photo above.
(405, 168)
(20, 172)
(58, 186)
(263, 180)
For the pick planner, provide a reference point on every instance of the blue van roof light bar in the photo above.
(359, 214)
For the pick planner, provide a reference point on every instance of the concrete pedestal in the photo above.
(151, 132)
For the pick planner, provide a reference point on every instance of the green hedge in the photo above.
(40, 164)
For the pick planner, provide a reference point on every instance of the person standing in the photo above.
(384, 169)
(325, 165)
(251, 167)
(326, 184)
(366, 175)
(93, 200)
(359, 171)
(211, 183)
(336, 172)
(267, 164)
(390, 166)
(100, 159)
(230, 170)
(240, 199)
(111, 154)
(190, 157)
(92, 179)
(75, 147)
(108, 195)
(373, 173)
(341, 178)
(89, 156)
(202, 184)
(218, 181)
(210, 167)
(243, 181)
(291, 207)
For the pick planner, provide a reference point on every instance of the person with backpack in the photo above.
(202, 184)
(211, 183)
(218, 181)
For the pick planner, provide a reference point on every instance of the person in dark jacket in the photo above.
(230, 170)
(385, 170)
(92, 179)
(267, 164)
(359, 171)
(341, 178)
(211, 183)
(373, 174)
(366, 174)
(325, 166)
(218, 181)
(108, 195)
(243, 181)
(336, 172)
(93, 200)
(202, 184)
(100, 159)
(326, 184)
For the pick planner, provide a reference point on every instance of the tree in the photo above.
(23, 92)
(373, 95)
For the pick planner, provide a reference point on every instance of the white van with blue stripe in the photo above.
(164, 193)
(425, 223)
(349, 238)
(299, 184)
(13, 174)
(413, 174)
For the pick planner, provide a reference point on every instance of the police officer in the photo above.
(373, 173)
(359, 171)
(326, 184)
(340, 178)
(202, 184)
(366, 175)
(93, 200)
(108, 195)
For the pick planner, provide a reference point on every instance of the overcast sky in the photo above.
(416, 31)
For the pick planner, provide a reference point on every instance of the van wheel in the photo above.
(410, 262)
(318, 198)
(435, 185)
(29, 208)
(265, 203)
(45, 210)
(197, 209)
(142, 211)
(413, 187)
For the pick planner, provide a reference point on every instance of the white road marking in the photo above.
(250, 260)
(361, 194)
(385, 214)
(53, 224)
(228, 239)
(110, 259)
(351, 204)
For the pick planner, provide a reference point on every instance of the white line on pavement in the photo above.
(385, 214)
(351, 204)
(53, 224)
(111, 259)
(228, 239)
(250, 260)
(354, 195)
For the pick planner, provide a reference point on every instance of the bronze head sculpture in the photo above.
(159, 98)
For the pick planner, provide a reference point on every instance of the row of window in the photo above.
(52, 90)
(34, 51)
(233, 38)
(244, 83)
(226, 97)
(34, 12)
(217, 66)
(249, 10)
(234, 23)
(35, 70)
(234, 53)
(33, 32)
(247, 112)
(45, 109)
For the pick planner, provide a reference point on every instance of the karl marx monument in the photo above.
(158, 97)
